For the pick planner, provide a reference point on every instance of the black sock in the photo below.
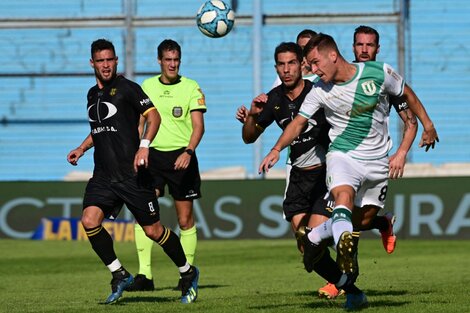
(380, 223)
(171, 244)
(120, 272)
(102, 244)
(327, 268)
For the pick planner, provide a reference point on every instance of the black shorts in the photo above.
(305, 193)
(182, 184)
(109, 196)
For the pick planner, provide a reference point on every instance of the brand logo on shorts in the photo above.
(177, 111)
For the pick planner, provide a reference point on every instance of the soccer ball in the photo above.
(215, 18)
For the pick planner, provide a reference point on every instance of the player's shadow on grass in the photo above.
(339, 302)
(150, 299)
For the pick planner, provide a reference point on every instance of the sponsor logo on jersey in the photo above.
(177, 111)
(112, 92)
(101, 112)
(145, 102)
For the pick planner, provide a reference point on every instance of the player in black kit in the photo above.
(303, 203)
(115, 105)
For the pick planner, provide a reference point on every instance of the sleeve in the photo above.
(197, 99)
(266, 117)
(139, 98)
(393, 82)
(311, 103)
(398, 103)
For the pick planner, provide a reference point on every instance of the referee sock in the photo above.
(102, 244)
(144, 246)
(170, 243)
(341, 217)
(188, 239)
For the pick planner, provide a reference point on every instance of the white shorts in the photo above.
(369, 178)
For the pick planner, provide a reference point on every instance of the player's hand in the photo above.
(74, 155)
(429, 138)
(269, 161)
(397, 165)
(242, 113)
(258, 103)
(182, 162)
(141, 158)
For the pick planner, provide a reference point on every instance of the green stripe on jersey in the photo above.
(365, 101)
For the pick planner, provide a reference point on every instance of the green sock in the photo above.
(144, 251)
(188, 239)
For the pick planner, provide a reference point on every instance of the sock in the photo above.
(380, 223)
(327, 268)
(322, 231)
(144, 251)
(102, 244)
(188, 239)
(170, 243)
(341, 222)
(120, 272)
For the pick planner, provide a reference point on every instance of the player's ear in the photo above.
(92, 64)
(378, 49)
(333, 56)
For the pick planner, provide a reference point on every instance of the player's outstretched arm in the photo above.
(429, 136)
(291, 132)
(78, 152)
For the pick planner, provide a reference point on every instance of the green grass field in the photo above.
(236, 276)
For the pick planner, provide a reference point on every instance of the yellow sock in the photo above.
(144, 251)
(188, 239)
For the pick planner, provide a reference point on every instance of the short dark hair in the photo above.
(366, 30)
(168, 44)
(289, 47)
(101, 44)
(306, 33)
(321, 41)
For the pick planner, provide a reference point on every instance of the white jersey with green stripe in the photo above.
(358, 109)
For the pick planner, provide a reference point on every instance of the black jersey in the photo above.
(310, 147)
(113, 113)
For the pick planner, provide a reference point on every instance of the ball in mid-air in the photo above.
(215, 18)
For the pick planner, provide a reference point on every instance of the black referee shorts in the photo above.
(182, 184)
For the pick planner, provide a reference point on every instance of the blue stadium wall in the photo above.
(43, 116)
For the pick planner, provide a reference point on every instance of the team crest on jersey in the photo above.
(177, 111)
(369, 87)
(112, 92)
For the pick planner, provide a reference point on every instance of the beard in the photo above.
(105, 79)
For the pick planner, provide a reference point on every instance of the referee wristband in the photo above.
(144, 143)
